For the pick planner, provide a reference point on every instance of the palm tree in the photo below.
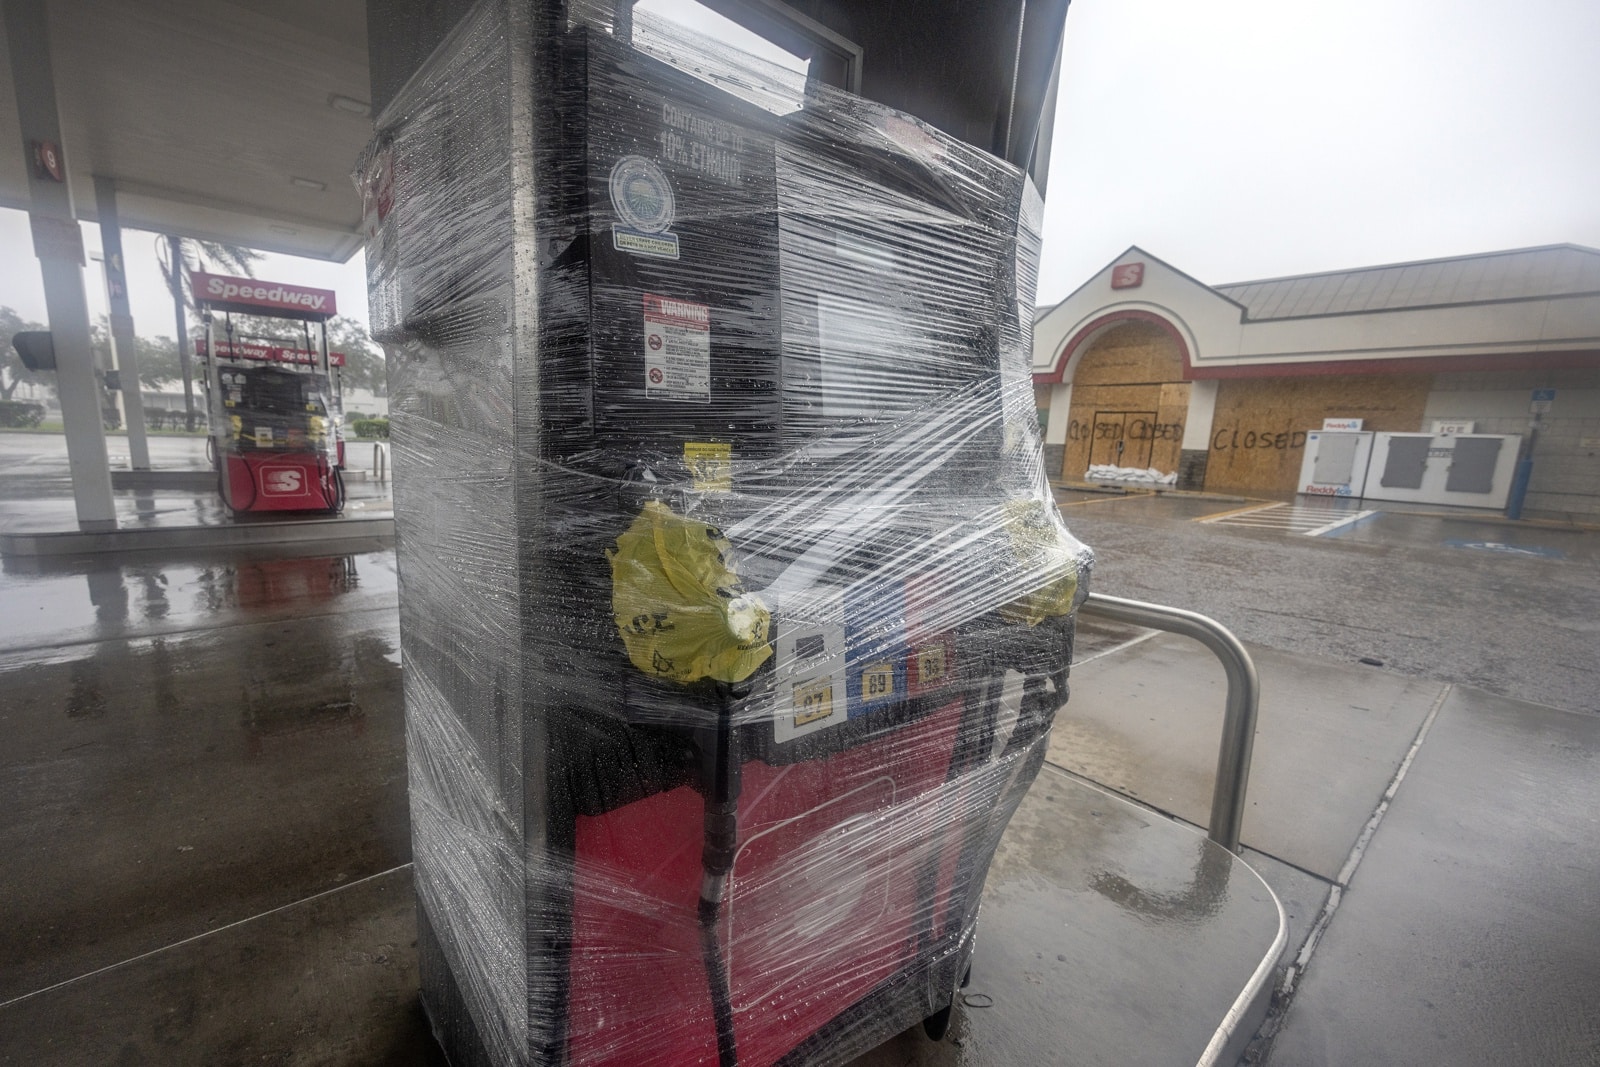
(177, 259)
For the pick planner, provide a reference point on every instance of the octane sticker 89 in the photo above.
(877, 682)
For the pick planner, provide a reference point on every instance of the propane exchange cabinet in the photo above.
(735, 607)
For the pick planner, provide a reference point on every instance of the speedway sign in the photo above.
(268, 353)
(250, 296)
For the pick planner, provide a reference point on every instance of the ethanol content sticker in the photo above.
(677, 349)
(710, 464)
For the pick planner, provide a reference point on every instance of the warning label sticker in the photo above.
(677, 349)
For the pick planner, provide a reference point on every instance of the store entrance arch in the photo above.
(1129, 402)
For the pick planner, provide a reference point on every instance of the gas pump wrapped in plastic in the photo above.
(735, 606)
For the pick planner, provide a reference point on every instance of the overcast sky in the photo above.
(1239, 139)
(1242, 139)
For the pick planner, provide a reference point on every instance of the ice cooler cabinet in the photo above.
(734, 607)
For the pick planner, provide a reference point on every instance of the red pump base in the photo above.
(281, 481)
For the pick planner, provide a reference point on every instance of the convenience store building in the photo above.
(1145, 367)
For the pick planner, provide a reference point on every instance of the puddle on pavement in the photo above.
(51, 607)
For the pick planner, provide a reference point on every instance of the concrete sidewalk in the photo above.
(1465, 929)
(1470, 934)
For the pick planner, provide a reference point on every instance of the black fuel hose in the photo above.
(224, 482)
(717, 977)
(720, 752)
(332, 483)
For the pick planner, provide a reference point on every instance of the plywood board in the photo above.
(1134, 353)
(1258, 435)
(1148, 419)
(1128, 388)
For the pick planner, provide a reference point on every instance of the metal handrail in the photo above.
(1239, 719)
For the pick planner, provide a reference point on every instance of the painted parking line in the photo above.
(1106, 500)
(1341, 524)
(1538, 551)
(1292, 518)
(1306, 520)
(1249, 509)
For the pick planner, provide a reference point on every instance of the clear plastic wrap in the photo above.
(734, 603)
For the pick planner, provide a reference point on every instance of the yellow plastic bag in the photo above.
(1045, 556)
(677, 602)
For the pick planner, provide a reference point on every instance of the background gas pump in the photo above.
(274, 403)
(734, 604)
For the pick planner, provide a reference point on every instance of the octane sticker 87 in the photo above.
(813, 701)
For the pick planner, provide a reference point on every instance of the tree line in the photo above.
(159, 365)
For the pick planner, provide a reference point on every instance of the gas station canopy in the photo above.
(239, 120)
(230, 120)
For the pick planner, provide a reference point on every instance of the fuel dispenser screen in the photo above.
(735, 607)
(275, 407)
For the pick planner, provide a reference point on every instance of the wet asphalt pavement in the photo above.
(1417, 592)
